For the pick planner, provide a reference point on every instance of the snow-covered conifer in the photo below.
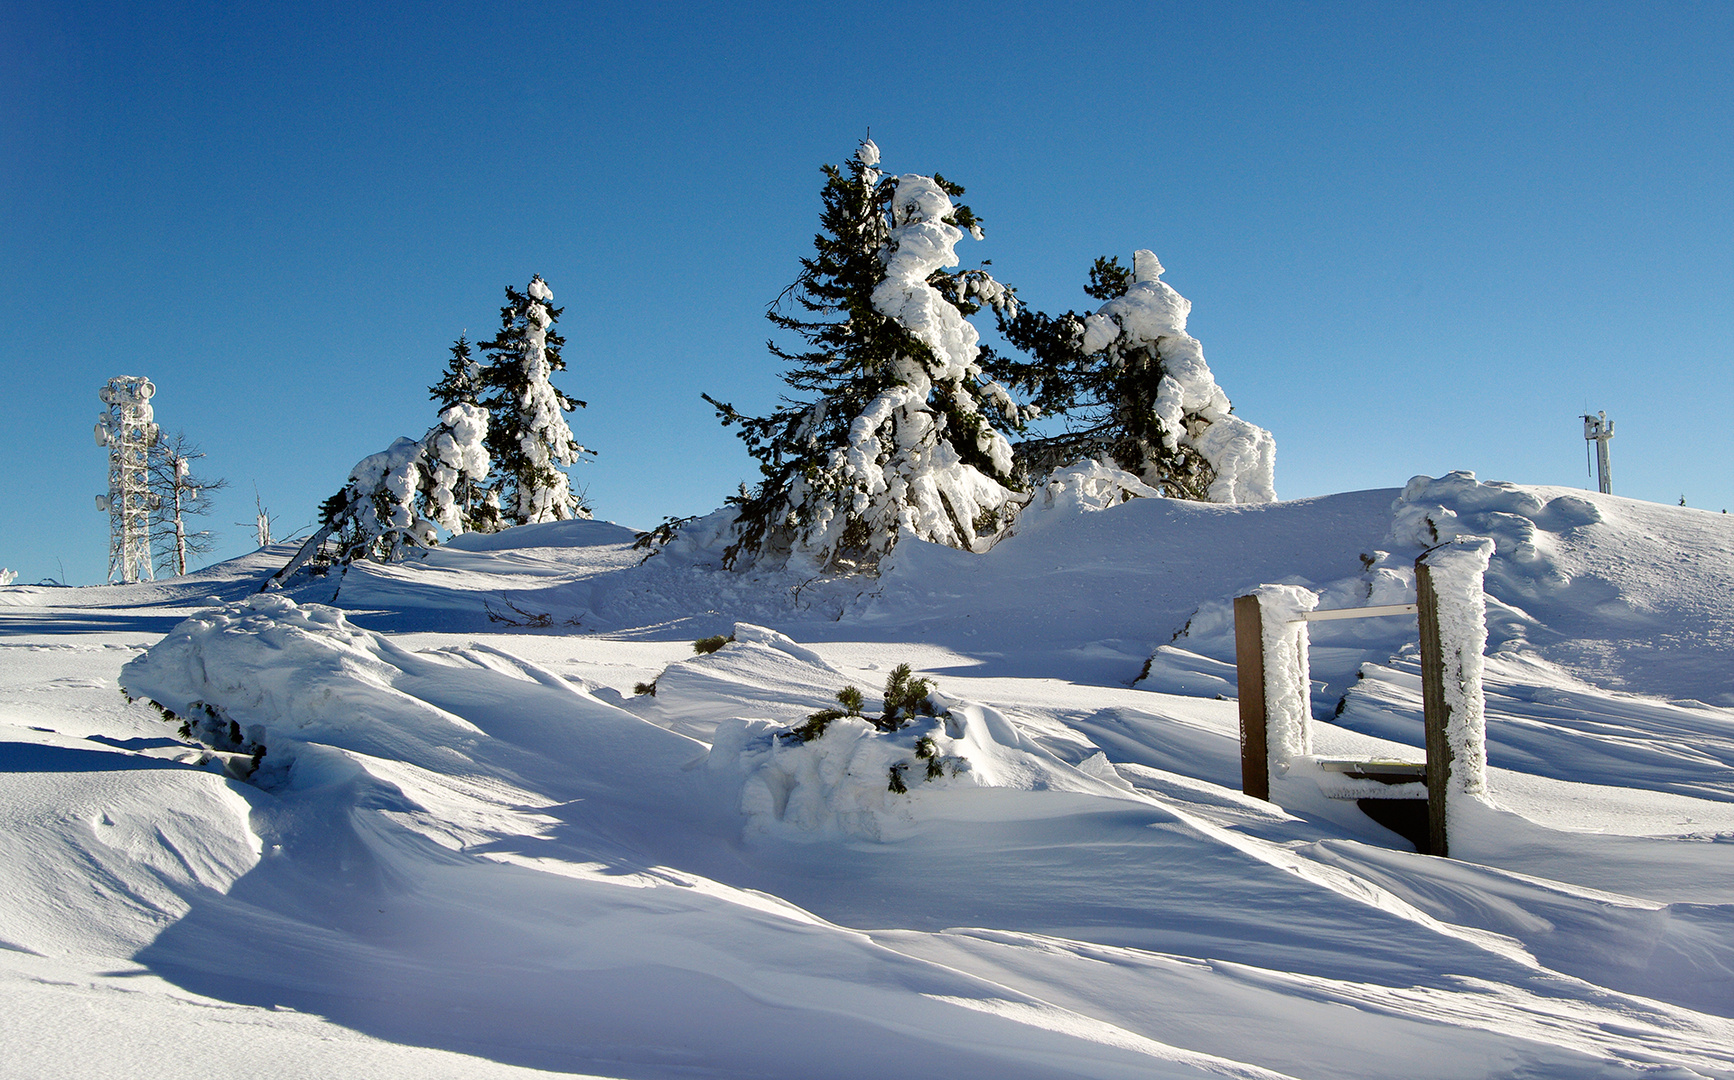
(462, 382)
(893, 427)
(478, 508)
(528, 437)
(1136, 392)
(454, 463)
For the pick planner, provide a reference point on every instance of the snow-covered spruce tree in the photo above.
(528, 437)
(891, 427)
(478, 507)
(397, 500)
(461, 384)
(1135, 391)
(453, 464)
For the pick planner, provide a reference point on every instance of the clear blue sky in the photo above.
(1417, 237)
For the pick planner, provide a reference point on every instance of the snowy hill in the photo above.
(471, 849)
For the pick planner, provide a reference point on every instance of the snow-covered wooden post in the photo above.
(1453, 623)
(1270, 637)
(1249, 675)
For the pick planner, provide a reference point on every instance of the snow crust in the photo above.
(475, 852)
(1193, 409)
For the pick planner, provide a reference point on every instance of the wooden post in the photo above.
(1435, 710)
(1249, 665)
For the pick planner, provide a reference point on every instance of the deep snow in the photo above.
(472, 850)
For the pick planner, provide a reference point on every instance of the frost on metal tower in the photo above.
(1599, 429)
(126, 428)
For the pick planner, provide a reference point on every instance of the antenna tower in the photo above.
(1600, 430)
(126, 428)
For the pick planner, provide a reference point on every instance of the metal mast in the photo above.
(1599, 430)
(126, 428)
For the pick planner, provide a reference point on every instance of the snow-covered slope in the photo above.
(470, 849)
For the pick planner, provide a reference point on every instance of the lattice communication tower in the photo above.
(126, 428)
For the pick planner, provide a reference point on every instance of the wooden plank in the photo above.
(1434, 708)
(1373, 612)
(1249, 666)
(1385, 772)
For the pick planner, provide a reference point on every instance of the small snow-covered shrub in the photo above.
(851, 700)
(906, 700)
(208, 726)
(704, 646)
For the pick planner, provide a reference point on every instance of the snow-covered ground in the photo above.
(472, 850)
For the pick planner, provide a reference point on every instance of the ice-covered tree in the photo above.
(177, 493)
(891, 426)
(1135, 391)
(528, 437)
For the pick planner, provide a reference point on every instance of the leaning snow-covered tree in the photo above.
(1135, 392)
(529, 438)
(892, 427)
(397, 500)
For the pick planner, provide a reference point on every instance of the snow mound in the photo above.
(280, 671)
(1436, 510)
(294, 676)
(1571, 577)
(747, 633)
(759, 673)
(747, 698)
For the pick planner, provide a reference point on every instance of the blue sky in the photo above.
(1416, 237)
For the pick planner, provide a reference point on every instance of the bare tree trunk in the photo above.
(180, 535)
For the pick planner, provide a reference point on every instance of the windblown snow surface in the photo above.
(472, 850)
